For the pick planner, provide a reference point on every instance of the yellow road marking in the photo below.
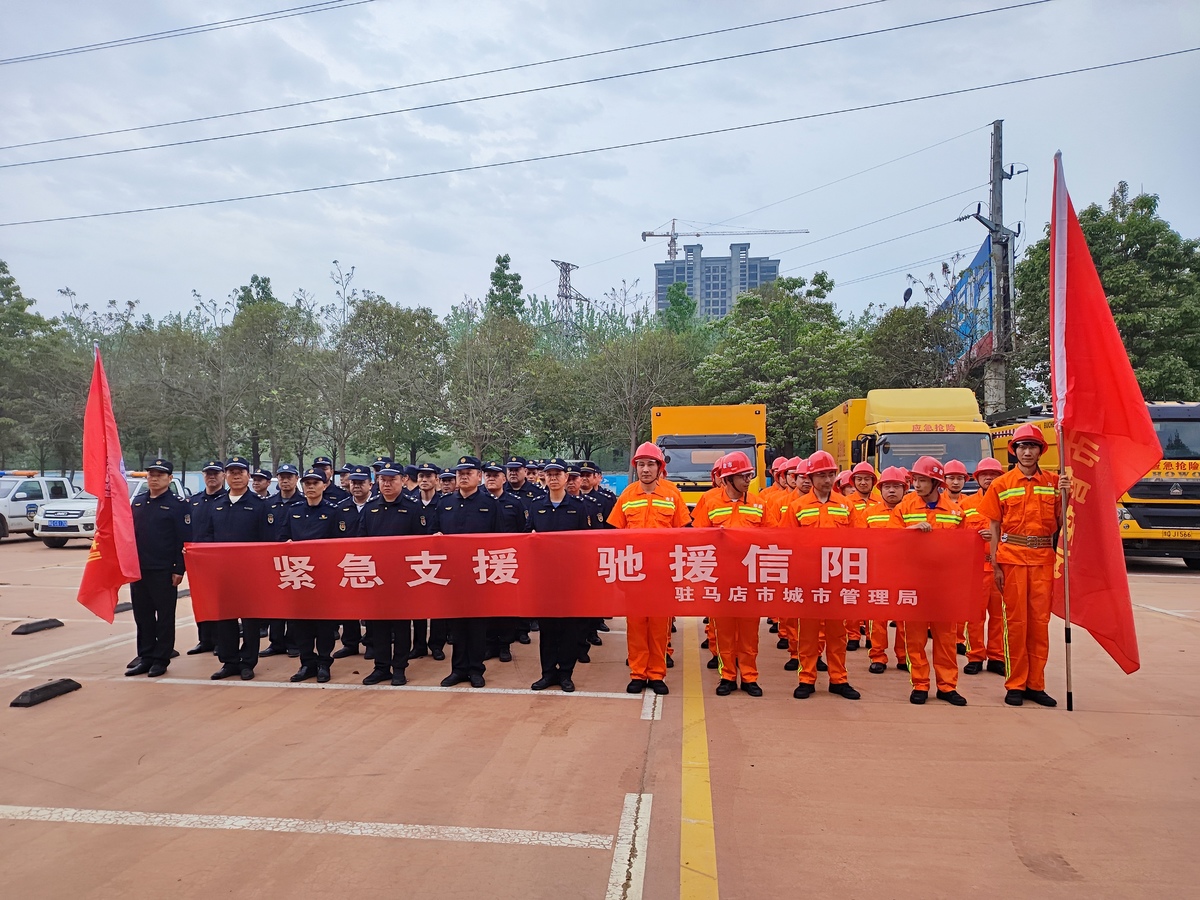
(697, 845)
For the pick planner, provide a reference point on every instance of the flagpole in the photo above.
(1058, 378)
(1064, 498)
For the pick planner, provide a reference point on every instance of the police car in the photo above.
(58, 522)
(23, 493)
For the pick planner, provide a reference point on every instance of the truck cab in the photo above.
(692, 438)
(23, 493)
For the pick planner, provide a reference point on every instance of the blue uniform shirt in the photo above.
(241, 522)
(305, 522)
(160, 527)
(477, 514)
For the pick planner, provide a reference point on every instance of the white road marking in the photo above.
(37, 618)
(629, 853)
(71, 653)
(651, 706)
(1175, 613)
(309, 826)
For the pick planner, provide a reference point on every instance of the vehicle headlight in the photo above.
(1124, 515)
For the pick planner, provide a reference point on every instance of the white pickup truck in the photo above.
(23, 493)
(58, 522)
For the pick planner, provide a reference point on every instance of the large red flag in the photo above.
(1108, 440)
(113, 560)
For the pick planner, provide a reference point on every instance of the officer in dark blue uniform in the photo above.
(379, 463)
(197, 518)
(410, 481)
(562, 639)
(447, 483)
(514, 519)
(314, 519)
(391, 513)
(333, 493)
(238, 517)
(592, 490)
(160, 528)
(517, 470)
(468, 510)
(359, 479)
(428, 636)
(279, 637)
(260, 482)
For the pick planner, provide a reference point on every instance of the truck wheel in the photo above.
(56, 543)
(1192, 562)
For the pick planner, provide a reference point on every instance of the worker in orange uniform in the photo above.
(1022, 506)
(956, 479)
(649, 502)
(795, 471)
(977, 651)
(736, 637)
(709, 497)
(928, 508)
(892, 486)
(822, 507)
(861, 492)
(843, 483)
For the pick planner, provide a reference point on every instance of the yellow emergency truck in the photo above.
(692, 438)
(894, 427)
(1160, 515)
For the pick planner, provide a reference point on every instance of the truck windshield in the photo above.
(695, 463)
(1180, 440)
(904, 449)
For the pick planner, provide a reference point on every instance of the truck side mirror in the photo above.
(20, 495)
(856, 452)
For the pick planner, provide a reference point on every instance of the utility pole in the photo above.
(995, 367)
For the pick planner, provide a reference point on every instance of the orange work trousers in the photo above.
(646, 637)
(710, 632)
(1026, 605)
(977, 650)
(787, 630)
(736, 646)
(854, 629)
(879, 642)
(945, 659)
(809, 635)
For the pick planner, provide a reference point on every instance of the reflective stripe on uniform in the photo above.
(1013, 492)
(634, 504)
(1044, 491)
(664, 504)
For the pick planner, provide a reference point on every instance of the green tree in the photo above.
(504, 296)
(679, 316)
(1151, 276)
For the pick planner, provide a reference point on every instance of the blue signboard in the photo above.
(969, 307)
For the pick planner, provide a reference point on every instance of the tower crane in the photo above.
(673, 235)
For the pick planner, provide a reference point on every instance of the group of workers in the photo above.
(1016, 513)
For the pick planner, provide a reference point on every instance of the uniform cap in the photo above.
(573, 469)
(587, 467)
(390, 468)
(428, 467)
(380, 461)
(323, 461)
(261, 473)
(989, 464)
(359, 473)
(237, 462)
(287, 469)
(516, 462)
(467, 462)
(493, 467)
(213, 465)
(161, 465)
(556, 464)
(535, 465)
(1027, 433)
(821, 461)
(930, 468)
(955, 467)
(447, 475)
(315, 474)
(893, 473)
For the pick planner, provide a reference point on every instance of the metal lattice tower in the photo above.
(567, 295)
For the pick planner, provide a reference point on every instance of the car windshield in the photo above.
(6, 485)
(695, 463)
(137, 487)
(904, 449)
(1180, 440)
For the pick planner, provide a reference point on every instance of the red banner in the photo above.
(788, 573)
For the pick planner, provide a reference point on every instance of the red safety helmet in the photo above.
(651, 451)
(930, 468)
(843, 480)
(989, 465)
(800, 466)
(821, 461)
(1027, 432)
(716, 466)
(893, 473)
(954, 467)
(865, 468)
(735, 463)
(778, 464)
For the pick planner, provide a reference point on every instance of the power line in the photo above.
(449, 78)
(525, 91)
(188, 30)
(896, 270)
(884, 104)
(890, 240)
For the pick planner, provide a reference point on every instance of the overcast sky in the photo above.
(432, 240)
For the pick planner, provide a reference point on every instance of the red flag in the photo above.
(1108, 441)
(113, 560)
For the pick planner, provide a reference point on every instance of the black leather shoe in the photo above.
(704, 644)
(602, 626)
(960, 649)
(417, 654)
(1041, 698)
(399, 679)
(673, 628)
(845, 691)
(226, 671)
(997, 666)
(725, 687)
(821, 667)
(918, 697)
(439, 654)
(345, 651)
(544, 682)
(851, 645)
(877, 668)
(595, 640)
(781, 644)
(140, 669)
(377, 676)
(505, 655)
(293, 654)
(322, 674)
(454, 678)
(263, 632)
(867, 643)
(247, 674)
(522, 638)
(567, 685)
(973, 668)
(658, 686)
(174, 653)
(804, 691)
(584, 657)
(368, 653)
(902, 666)
(200, 648)
(1014, 698)
(157, 670)
(954, 698)
(752, 688)
(713, 663)
(270, 651)
(635, 686)
(670, 661)
(774, 629)
(477, 681)
(534, 626)
(792, 665)
(133, 662)
(304, 673)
